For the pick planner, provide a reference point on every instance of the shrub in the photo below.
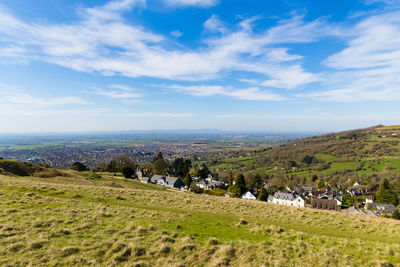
(194, 188)
(78, 166)
(128, 172)
(215, 192)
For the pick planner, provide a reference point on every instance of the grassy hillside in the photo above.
(85, 219)
(340, 158)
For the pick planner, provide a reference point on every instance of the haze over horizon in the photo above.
(273, 66)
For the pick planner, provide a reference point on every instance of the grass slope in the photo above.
(109, 221)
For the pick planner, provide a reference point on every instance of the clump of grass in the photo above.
(224, 255)
(213, 241)
(141, 230)
(68, 251)
(38, 245)
(167, 239)
(16, 247)
(139, 251)
(165, 249)
(242, 222)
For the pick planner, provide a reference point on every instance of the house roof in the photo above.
(287, 196)
(171, 180)
(248, 192)
(157, 177)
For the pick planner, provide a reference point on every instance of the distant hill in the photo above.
(337, 158)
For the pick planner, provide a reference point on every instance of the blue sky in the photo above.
(68, 66)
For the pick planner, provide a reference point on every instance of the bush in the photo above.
(194, 188)
(128, 172)
(78, 166)
(215, 192)
(235, 190)
(396, 214)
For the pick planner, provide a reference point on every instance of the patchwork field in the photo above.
(78, 220)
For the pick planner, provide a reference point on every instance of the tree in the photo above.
(203, 171)
(118, 164)
(230, 179)
(321, 184)
(159, 164)
(241, 183)
(263, 195)
(257, 182)
(188, 179)
(128, 172)
(385, 194)
(180, 167)
(308, 159)
(235, 191)
(159, 156)
(78, 166)
(292, 164)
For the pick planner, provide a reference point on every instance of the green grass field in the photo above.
(109, 221)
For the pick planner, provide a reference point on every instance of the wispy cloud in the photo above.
(368, 69)
(24, 104)
(124, 92)
(196, 3)
(102, 41)
(27, 99)
(161, 115)
(252, 93)
(176, 33)
(346, 117)
(214, 24)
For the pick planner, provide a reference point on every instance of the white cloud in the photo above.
(27, 99)
(388, 2)
(253, 93)
(197, 3)
(161, 115)
(176, 33)
(24, 104)
(368, 69)
(103, 42)
(327, 117)
(123, 92)
(214, 24)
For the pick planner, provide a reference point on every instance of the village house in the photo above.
(249, 195)
(331, 196)
(383, 208)
(210, 184)
(167, 181)
(288, 199)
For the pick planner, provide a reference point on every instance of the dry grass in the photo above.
(75, 221)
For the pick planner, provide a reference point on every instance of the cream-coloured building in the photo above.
(288, 199)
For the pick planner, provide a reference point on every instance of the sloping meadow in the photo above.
(44, 222)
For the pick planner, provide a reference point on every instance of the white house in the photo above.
(167, 181)
(249, 195)
(288, 199)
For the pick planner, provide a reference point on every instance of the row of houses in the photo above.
(294, 196)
